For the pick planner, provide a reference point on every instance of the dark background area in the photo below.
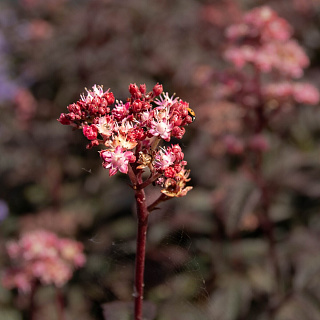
(207, 255)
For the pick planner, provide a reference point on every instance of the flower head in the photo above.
(117, 160)
(41, 255)
(132, 131)
(161, 129)
(164, 159)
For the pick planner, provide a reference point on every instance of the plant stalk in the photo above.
(60, 304)
(142, 215)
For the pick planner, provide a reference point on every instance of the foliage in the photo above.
(244, 243)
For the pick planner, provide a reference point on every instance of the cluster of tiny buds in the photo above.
(41, 256)
(131, 131)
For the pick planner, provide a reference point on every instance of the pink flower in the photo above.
(42, 256)
(305, 93)
(105, 126)
(161, 128)
(117, 160)
(288, 58)
(137, 125)
(120, 110)
(97, 91)
(72, 251)
(164, 101)
(239, 56)
(278, 90)
(164, 159)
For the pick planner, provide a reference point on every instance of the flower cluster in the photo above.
(264, 85)
(288, 92)
(130, 132)
(42, 256)
(264, 40)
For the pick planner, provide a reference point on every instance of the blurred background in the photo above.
(208, 257)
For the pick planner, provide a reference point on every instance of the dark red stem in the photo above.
(32, 306)
(60, 304)
(142, 215)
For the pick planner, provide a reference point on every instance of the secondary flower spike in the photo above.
(130, 133)
(42, 256)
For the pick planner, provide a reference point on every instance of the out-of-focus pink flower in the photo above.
(262, 39)
(300, 92)
(278, 90)
(72, 251)
(239, 56)
(306, 93)
(42, 256)
(233, 145)
(288, 58)
(39, 29)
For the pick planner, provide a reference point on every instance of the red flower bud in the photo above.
(133, 89)
(64, 119)
(110, 98)
(178, 132)
(90, 132)
(169, 172)
(143, 88)
(157, 89)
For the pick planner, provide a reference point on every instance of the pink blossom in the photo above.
(161, 128)
(239, 56)
(97, 91)
(278, 90)
(164, 159)
(135, 126)
(265, 22)
(146, 117)
(72, 251)
(306, 93)
(105, 126)
(288, 58)
(117, 160)
(120, 111)
(54, 271)
(42, 256)
(164, 101)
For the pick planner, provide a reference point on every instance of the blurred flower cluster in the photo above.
(41, 256)
(262, 86)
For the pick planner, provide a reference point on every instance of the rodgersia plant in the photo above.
(130, 135)
(264, 87)
(264, 83)
(42, 258)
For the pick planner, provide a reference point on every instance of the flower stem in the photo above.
(142, 214)
(32, 306)
(60, 304)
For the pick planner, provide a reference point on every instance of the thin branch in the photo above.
(161, 198)
(151, 179)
